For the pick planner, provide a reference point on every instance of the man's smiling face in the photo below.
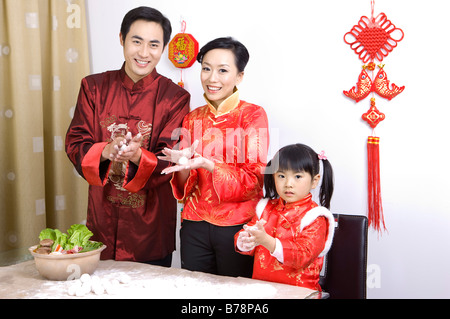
(142, 48)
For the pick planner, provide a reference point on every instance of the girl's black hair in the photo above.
(299, 158)
(240, 52)
(146, 14)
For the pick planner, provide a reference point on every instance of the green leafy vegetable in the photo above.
(91, 245)
(60, 238)
(47, 233)
(77, 235)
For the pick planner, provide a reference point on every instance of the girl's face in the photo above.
(219, 75)
(293, 186)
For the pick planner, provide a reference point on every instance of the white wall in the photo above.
(298, 68)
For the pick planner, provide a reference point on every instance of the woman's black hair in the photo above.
(146, 14)
(239, 50)
(299, 158)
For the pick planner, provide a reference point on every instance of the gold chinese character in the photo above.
(181, 45)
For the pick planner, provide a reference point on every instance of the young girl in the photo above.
(290, 233)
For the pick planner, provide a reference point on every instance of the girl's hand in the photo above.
(260, 236)
(245, 241)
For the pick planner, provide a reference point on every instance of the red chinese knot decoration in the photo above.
(373, 116)
(373, 39)
(183, 50)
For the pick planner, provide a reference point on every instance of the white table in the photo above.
(146, 282)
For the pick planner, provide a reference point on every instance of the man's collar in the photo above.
(129, 84)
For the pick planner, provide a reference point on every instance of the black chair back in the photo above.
(345, 266)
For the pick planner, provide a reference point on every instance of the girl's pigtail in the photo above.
(269, 183)
(327, 188)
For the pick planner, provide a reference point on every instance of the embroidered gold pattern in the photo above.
(118, 171)
(132, 200)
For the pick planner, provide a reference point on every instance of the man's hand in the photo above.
(124, 149)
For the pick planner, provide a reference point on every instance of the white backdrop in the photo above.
(298, 68)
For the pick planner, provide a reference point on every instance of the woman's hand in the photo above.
(194, 163)
(186, 159)
(179, 157)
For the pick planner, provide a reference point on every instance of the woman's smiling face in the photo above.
(219, 75)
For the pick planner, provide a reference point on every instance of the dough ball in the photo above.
(124, 279)
(111, 289)
(73, 288)
(80, 292)
(95, 279)
(183, 160)
(115, 282)
(123, 148)
(87, 286)
(85, 278)
(98, 289)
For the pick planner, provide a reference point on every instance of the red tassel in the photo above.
(375, 214)
(181, 83)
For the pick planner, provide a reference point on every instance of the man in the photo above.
(122, 122)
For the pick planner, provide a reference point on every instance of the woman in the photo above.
(219, 177)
